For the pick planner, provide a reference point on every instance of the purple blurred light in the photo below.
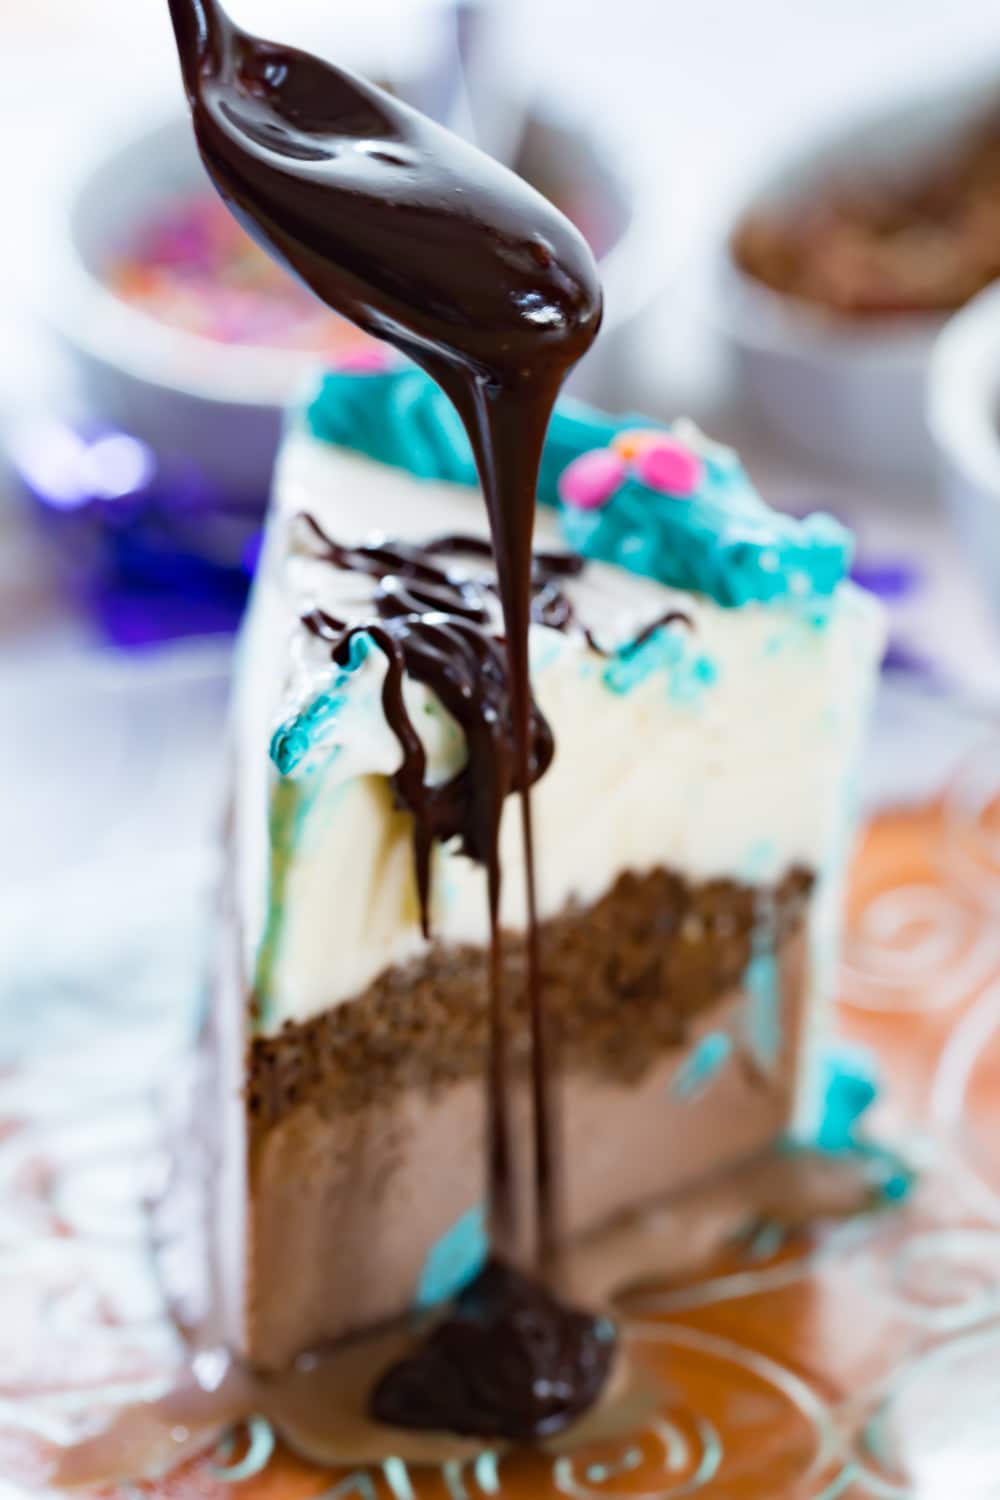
(117, 465)
(146, 543)
(49, 458)
(889, 579)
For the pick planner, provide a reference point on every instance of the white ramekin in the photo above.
(849, 394)
(963, 417)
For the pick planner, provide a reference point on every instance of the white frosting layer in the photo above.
(731, 761)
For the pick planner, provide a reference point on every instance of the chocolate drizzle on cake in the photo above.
(662, 622)
(669, 617)
(410, 581)
(426, 243)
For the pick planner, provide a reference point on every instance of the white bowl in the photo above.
(963, 416)
(221, 405)
(218, 404)
(850, 395)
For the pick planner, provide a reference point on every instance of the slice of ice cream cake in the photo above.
(702, 671)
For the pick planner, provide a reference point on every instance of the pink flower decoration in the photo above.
(366, 359)
(669, 466)
(590, 480)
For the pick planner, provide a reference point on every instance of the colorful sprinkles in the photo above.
(670, 467)
(589, 482)
(190, 265)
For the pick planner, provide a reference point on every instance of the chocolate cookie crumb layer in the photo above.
(623, 980)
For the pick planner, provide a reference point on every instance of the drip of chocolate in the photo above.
(511, 1361)
(669, 617)
(426, 243)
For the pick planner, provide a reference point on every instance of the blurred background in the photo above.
(797, 209)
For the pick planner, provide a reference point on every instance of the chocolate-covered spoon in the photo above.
(403, 227)
(422, 240)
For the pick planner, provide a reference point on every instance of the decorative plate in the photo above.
(861, 1361)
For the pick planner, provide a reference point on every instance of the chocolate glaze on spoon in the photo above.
(426, 243)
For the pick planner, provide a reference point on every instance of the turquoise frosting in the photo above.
(399, 417)
(722, 541)
(689, 671)
(762, 981)
(699, 1069)
(455, 1260)
(293, 740)
(850, 1086)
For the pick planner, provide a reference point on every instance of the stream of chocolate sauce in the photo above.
(428, 244)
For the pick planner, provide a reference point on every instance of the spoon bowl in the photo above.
(328, 171)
